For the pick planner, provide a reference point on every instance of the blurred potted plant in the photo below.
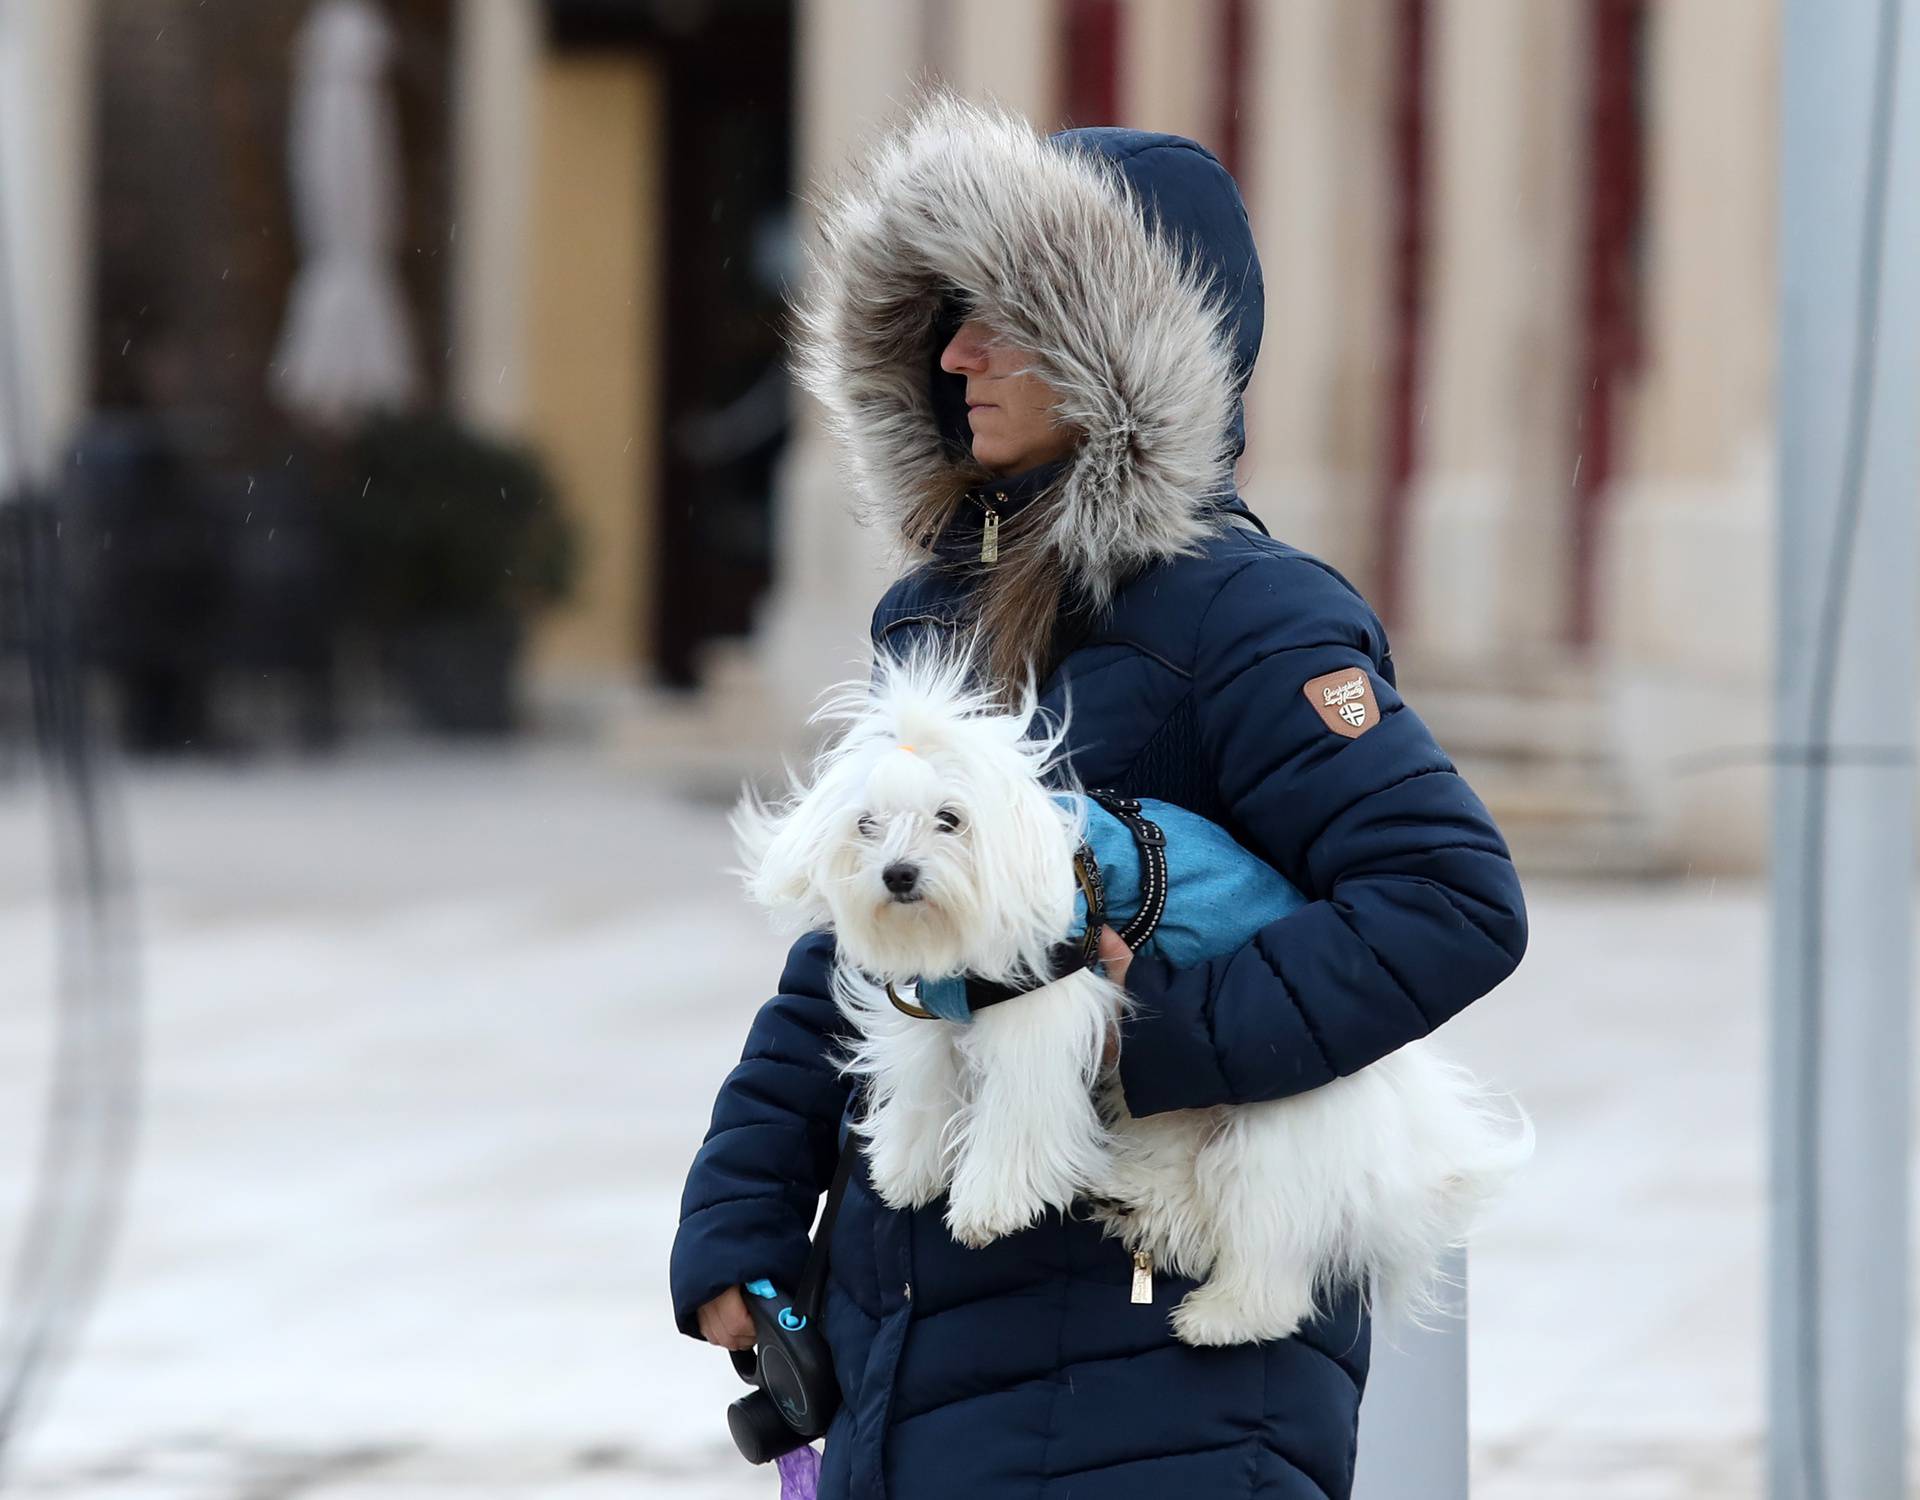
(449, 541)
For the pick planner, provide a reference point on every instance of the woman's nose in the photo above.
(965, 352)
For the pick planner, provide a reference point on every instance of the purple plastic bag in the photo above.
(799, 1474)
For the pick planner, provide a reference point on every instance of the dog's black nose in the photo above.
(900, 877)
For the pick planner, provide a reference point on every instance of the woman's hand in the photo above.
(725, 1321)
(1115, 958)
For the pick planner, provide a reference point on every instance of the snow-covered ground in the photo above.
(431, 1042)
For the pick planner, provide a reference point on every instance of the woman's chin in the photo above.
(994, 453)
(1003, 459)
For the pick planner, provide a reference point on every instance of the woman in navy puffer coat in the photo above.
(1188, 642)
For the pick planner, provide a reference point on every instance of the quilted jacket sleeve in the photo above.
(770, 1152)
(1413, 908)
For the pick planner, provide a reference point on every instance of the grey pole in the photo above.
(1413, 1422)
(1843, 837)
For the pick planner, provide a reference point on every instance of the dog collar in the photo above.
(1069, 957)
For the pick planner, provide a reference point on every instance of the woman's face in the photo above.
(1010, 410)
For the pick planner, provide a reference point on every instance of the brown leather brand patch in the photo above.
(1345, 700)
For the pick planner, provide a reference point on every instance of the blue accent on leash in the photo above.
(761, 1288)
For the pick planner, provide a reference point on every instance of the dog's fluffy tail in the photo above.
(1467, 1143)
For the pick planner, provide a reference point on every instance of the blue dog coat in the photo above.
(1218, 895)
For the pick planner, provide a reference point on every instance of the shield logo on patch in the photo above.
(1345, 701)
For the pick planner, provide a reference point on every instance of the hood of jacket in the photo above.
(1119, 260)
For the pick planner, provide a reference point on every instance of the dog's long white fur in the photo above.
(1277, 1205)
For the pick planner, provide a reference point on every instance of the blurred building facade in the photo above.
(1517, 380)
(1517, 377)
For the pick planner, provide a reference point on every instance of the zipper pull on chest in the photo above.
(990, 529)
(1142, 1277)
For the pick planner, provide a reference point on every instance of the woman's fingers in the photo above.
(1115, 957)
(725, 1321)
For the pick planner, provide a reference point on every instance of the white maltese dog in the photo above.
(928, 840)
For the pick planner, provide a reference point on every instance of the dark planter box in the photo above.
(458, 675)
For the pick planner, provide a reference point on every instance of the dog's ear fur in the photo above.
(1034, 884)
(772, 842)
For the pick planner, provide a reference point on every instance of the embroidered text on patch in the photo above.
(1345, 702)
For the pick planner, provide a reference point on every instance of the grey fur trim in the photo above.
(1055, 251)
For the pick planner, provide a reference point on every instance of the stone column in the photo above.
(1007, 51)
(1686, 602)
(1170, 67)
(1316, 184)
(857, 59)
(46, 105)
(1486, 565)
(497, 52)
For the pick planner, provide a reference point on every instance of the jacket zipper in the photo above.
(990, 529)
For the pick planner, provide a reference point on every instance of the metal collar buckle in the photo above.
(906, 1008)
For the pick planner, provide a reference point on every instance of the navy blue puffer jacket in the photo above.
(1123, 261)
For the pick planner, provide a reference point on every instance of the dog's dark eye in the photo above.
(948, 819)
(868, 828)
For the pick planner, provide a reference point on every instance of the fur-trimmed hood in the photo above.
(1120, 259)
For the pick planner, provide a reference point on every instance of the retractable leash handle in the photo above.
(796, 1391)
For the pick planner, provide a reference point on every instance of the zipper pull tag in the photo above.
(1142, 1277)
(990, 538)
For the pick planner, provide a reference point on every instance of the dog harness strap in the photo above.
(1151, 840)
